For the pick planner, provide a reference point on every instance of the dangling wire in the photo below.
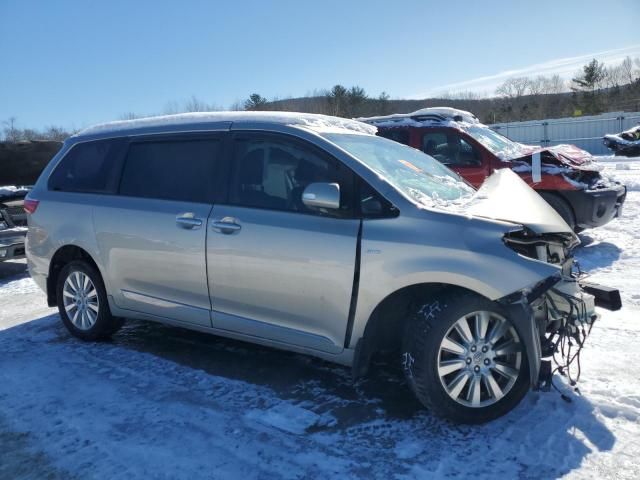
(562, 340)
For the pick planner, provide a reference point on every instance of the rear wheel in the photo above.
(464, 359)
(82, 302)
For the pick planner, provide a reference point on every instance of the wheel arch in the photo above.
(386, 323)
(60, 258)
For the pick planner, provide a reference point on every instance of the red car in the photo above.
(567, 177)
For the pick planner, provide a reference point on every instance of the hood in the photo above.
(505, 196)
(566, 155)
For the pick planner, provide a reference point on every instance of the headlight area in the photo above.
(552, 248)
(556, 317)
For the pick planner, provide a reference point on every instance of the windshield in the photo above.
(414, 173)
(497, 144)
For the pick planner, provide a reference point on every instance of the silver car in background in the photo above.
(309, 233)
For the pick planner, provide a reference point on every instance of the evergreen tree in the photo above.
(586, 85)
(337, 97)
(255, 102)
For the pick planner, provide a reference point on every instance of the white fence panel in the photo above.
(584, 132)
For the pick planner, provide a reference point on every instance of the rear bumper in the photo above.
(12, 243)
(594, 208)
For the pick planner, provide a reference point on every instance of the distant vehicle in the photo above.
(13, 222)
(564, 175)
(311, 234)
(20, 164)
(626, 143)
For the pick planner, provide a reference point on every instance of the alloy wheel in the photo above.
(81, 300)
(479, 359)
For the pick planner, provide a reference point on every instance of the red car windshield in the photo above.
(499, 145)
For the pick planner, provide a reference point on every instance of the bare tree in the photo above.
(171, 108)
(194, 104)
(57, 134)
(514, 87)
(537, 85)
(130, 116)
(627, 72)
(615, 76)
(11, 132)
(554, 84)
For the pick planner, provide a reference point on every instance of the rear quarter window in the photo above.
(90, 167)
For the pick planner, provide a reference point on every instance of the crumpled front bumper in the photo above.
(596, 207)
(558, 303)
(12, 243)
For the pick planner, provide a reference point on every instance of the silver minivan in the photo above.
(309, 233)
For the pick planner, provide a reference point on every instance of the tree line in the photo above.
(596, 88)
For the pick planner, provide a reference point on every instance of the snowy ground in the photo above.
(161, 402)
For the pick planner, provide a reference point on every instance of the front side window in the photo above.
(400, 135)
(410, 171)
(450, 149)
(272, 173)
(178, 170)
(88, 167)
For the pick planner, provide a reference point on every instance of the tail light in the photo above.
(31, 205)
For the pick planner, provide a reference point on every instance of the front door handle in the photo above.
(188, 221)
(227, 225)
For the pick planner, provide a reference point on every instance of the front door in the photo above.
(152, 235)
(277, 269)
(457, 153)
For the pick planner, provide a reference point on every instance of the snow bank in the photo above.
(311, 121)
(625, 171)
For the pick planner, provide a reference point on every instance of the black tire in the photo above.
(105, 324)
(425, 330)
(561, 206)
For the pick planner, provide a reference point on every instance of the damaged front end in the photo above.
(625, 143)
(556, 315)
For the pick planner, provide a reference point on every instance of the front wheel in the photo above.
(563, 208)
(464, 359)
(82, 302)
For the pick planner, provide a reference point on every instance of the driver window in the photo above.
(450, 149)
(273, 173)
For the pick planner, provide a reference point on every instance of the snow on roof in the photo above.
(423, 116)
(10, 190)
(311, 121)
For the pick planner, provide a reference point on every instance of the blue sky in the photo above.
(74, 63)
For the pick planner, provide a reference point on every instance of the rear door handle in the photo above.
(188, 221)
(227, 225)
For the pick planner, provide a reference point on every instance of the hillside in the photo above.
(488, 110)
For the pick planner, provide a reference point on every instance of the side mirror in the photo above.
(322, 195)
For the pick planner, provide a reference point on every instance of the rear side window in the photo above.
(89, 167)
(171, 170)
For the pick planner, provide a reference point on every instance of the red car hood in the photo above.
(568, 154)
